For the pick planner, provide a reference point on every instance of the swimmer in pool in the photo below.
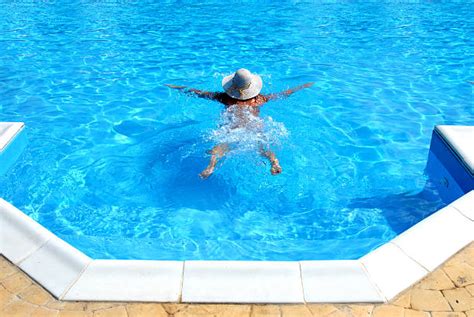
(242, 94)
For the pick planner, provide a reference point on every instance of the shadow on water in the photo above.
(175, 162)
(173, 154)
(185, 189)
(403, 210)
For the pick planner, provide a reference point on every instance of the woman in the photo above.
(241, 98)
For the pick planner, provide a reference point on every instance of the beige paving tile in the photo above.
(193, 310)
(468, 255)
(356, 310)
(3, 262)
(265, 311)
(403, 300)
(452, 314)
(6, 268)
(234, 311)
(6, 297)
(388, 310)
(140, 309)
(321, 309)
(428, 300)
(457, 259)
(461, 273)
(437, 280)
(93, 306)
(173, 308)
(74, 313)
(44, 312)
(214, 310)
(465, 256)
(415, 313)
(77, 306)
(55, 304)
(118, 311)
(470, 289)
(295, 310)
(459, 299)
(16, 282)
(337, 313)
(35, 295)
(18, 308)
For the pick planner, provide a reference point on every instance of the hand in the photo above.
(175, 87)
(307, 85)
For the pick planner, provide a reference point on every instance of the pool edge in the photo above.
(388, 270)
(381, 274)
(9, 132)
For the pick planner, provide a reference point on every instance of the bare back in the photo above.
(253, 104)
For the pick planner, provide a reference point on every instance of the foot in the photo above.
(206, 173)
(276, 168)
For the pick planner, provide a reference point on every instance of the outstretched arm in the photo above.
(288, 92)
(195, 92)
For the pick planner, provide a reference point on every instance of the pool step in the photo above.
(450, 163)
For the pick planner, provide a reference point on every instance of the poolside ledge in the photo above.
(12, 143)
(376, 277)
(8, 131)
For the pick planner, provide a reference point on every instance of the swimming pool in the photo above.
(113, 155)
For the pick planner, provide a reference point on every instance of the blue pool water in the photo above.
(113, 155)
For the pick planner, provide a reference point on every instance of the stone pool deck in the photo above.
(446, 292)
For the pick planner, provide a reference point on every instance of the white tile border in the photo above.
(465, 206)
(337, 281)
(378, 276)
(27, 234)
(56, 265)
(8, 131)
(129, 280)
(435, 239)
(391, 270)
(242, 282)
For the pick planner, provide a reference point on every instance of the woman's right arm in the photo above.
(195, 92)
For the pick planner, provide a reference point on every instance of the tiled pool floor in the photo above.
(448, 291)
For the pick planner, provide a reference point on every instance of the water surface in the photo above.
(113, 156)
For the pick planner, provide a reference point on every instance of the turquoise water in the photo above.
(113, 156)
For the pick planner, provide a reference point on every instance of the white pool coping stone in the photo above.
(376, 277)
(8, 131)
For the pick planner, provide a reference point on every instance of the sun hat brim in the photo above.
(244, 94)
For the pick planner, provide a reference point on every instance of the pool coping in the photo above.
(377, 277)
(8, 132)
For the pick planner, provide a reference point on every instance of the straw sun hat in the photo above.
(242, 84)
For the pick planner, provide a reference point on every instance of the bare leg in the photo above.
(217, 152)
(276, 168)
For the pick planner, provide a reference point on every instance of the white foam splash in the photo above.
(244, 131)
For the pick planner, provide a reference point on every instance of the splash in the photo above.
(246, 132)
